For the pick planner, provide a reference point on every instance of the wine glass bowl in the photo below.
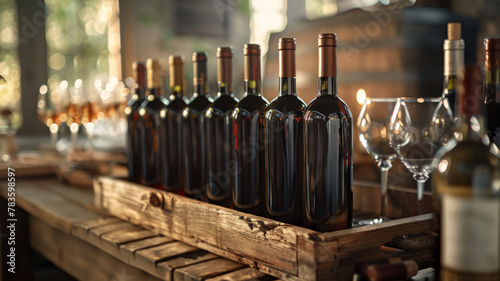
(419, 127)
(373, 131)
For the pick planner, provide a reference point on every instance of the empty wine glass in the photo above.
(47, 113)
(418, 128)
(373, 123)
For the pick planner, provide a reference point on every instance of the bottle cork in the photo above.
(454, 31)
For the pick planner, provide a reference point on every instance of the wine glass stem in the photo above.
(383, 194)
(420, 195)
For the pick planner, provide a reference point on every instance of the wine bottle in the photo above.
(328, 141)
(133, 140)
(192, 127)
(467, 180)
(453, 62)
(171, 129)
(219, 133)
(149, 112)
(492, 88)
(284, 122)
(249, 171)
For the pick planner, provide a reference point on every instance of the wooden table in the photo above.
(66, 228)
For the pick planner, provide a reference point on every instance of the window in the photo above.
(9, 63)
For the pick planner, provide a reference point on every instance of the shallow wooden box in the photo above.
(284, 251)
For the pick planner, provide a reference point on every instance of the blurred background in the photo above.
(387, 48)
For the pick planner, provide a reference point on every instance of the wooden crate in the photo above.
(284, 251)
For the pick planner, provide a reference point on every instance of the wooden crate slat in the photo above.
(82, 261)
(111, 242)
(166, 269)
(94, 234)
(203, 225)
(204, 270)
(80, 228)
(245, 274)
(39, 201)
(127, 250)
(148, 258)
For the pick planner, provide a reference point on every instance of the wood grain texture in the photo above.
(38, 199)
(81, 260)
(148, 258)
(80, 229)
(278, 249)
(94, 234)
(245, 274)
(127, 250)
(205, 270)
(110, 242)
(166, 269)
(203, 225)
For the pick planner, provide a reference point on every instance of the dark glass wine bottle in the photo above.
(328, 141)
(492, 88)
(171, 129)
(249, 171)
(192, 126)
(219, 133)
(453, 49)
(149, 111)
(467, 182)
(133, 140)
(285, 143)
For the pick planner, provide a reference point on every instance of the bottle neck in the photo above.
(492, 84)
(252, 87)
(327, 86)
(224, 89)
(287, 86)
(140, 93)
(200, 90)
(177, 92)
(156, 92)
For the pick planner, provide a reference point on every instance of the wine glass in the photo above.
(419, 127)
(373, 133)
(46, 112)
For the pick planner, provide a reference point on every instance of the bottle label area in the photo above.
(470, 234)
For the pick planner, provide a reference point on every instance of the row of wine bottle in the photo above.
(467, 175)
(283, 160)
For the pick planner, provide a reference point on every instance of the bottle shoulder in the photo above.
(467, 168)
(198, 104)
(177, 104)
(154, 104)
(224, 103)
(252, 103)
(325, 106)
(287, 104)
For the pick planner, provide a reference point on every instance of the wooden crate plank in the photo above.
(80, 228)
(166, 269)
(94, 234)
(148, 258)
(110, 242)
(127, 250)
(213, 228)
(35, 198)
(79, 259)
(205, 270)
(245, 274)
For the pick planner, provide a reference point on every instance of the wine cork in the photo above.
(392, 271)
(454, 31)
